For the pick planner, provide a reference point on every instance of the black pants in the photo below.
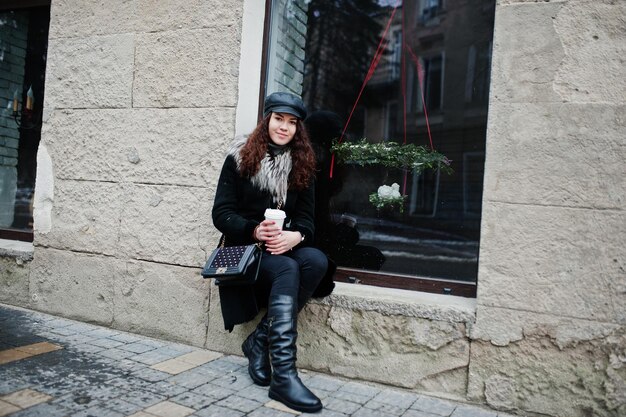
(295, 273)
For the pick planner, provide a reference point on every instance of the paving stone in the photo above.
(367, 412)
(169, 409)
(434, 406)
(342, 406)
(199, 357)
(472, 411)
(63, 331)
(81, 327)
(123, 407)
(235, 402)
(43, 410)
(12, 355)
(418, 413)
(360, 389)
(25, 398)
(222, 365)
(321, 393)
(154, 343)
(276, 405)
(98, 411)
(254, 392)
(88, 348)
(324, 382)
(143, 398)
(237, 360)
(136, 347)
(9, 385)
(233, 381)
(115, 353)
(150, 358)
(151, 375)
(7, 408)
(56, 323)
(350, 396)
(325, 413)
(269, 412)
(167, 388)
(75, 401)
(396, 398)
(100, 333)
(173, 366)
(213, 391)
(194, 379)
(193, 400)
(216, 411)
(126, 338)
(106, 343)
(387, 409)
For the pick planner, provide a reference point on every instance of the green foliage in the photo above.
(387, 202)
(391, 155)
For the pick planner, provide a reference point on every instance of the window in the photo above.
(323, 50)
(23, 45)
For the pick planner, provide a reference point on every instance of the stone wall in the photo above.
(549, 332)
(140, 107)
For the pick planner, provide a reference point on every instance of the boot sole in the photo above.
(304, 409)
(256, 380)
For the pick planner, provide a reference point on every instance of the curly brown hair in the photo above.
(302, 155)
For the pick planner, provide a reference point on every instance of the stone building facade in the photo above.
(142, 100)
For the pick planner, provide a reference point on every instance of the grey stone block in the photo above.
(235, 402)
(214, 391)
(151, 375)
(388, 409)
(254, 392)
(434, 406)
(115, 354)
(167, 388)
(143, 398)
(74, 64)
(216, 411)
(194, 378)
(138, 347)
(193, 400)
(43, 410)
(160, 58)
(341, 406)
(396, 398)
(472, 411)
(234, 381)
(106, 343)
(122, 406)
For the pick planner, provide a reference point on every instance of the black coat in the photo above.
(238, 208)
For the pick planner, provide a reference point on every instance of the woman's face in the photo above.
(282, 128)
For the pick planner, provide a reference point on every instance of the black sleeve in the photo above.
(225, 215)
(303, 219)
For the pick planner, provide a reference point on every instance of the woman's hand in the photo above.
(276, 241)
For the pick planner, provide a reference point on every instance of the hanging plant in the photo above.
(408, 157)
(388, 196)
(391, 155)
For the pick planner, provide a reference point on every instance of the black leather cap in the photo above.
(283, 102)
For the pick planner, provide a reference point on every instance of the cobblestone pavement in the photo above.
(51, 366)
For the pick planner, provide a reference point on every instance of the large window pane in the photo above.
(433, 76)
(23, 44)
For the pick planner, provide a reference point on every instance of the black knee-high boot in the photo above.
(286, 386)
(256, 349)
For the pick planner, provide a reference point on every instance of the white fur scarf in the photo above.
(274, 173)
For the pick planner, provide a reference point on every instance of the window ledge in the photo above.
(390, 301)
(22, 251)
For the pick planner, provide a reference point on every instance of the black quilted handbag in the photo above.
(233, 265)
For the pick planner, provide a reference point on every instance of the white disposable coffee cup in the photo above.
(276, 215)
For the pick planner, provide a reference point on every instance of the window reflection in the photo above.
(23, 44)
(433, 76)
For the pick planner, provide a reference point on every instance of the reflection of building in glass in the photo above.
(450, 44)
